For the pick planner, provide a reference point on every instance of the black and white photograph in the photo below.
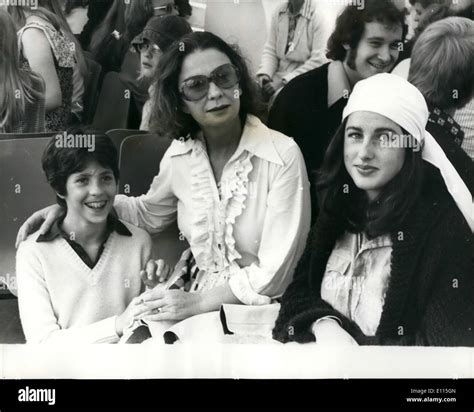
(206, 194)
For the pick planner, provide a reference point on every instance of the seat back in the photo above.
(131, 65)
(140, 158)
(15, 136)
(24, 190)
(113, 105)
(119, 135)
(10, 324)
(91, 90)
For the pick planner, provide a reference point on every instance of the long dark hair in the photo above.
(340, 197)
(168, 118)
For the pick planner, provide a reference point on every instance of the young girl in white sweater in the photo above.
(79, 282)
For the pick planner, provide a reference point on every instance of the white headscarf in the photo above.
(400, 101)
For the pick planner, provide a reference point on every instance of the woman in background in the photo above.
(21, 91)
(48, 50)
(80, 69)
(158, 35)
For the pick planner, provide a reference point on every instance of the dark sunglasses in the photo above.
(161, 10)
(197, 87)
(145, 46)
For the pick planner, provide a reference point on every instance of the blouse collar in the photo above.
(256, 139)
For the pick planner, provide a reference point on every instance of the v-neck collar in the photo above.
(113, 225)
(91, 271)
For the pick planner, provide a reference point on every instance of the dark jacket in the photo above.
(96, 12)
(430, 298)
(300, 111)
(449, 136)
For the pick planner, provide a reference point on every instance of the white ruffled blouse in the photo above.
(251, 229)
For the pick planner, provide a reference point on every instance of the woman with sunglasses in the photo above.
(389, 261)
(158, 35)
(239, 190)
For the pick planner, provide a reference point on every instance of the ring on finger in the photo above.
(156, 310)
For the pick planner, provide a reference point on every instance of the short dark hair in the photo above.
(59, 162)
(340, 197)
(350, 25)
(168, 119)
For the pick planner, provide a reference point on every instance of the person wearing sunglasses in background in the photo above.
(158, 35)
(239, 190)
(164, 7)
(124, 21)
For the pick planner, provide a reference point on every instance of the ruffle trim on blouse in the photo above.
(62, 47)
(234, 195)
(234, 192)
(203, 231)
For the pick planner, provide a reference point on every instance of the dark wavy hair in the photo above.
(339, 197)
(61, 162)
(350, 25)
(168, 118)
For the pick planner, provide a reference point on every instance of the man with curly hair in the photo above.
(365, 42)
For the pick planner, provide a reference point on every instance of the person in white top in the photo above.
(79, 281)
(295, 45)
(239, 190)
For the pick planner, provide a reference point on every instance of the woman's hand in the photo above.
(155, 273)
(164, 304)
(272, 87)
(44, 218)
(269, 89)
(129, 314)
(329, 332)
(262, 79)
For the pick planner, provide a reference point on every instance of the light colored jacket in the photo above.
(306, 51)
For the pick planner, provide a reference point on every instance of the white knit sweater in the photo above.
(62, 300)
